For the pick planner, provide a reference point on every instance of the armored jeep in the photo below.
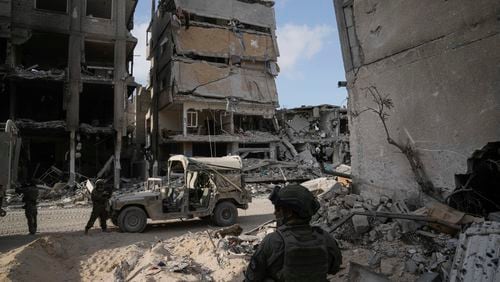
(208, 188)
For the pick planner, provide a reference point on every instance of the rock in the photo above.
(358, 272)
(494, 216)
(373, 236)
(343, 191)
(418, 258)
(374, 260)
(389, 252)
(412, 251)
(389, 237)
(233, 230)
(375, 201)
(429, 277)
(387, 266)
(421, 268)
(333, 215)
(411, 266)
(349, 200)
(361, 224)
(368, 206)
(344, 212)
(384, 199)
(358, 205)
(322, 185)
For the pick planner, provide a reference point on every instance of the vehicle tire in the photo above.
(114, 220)
(225, 214)
(132, 219)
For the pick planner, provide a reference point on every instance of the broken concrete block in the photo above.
(358, 205)
(479, 243)
(429, 277)
(494, 216)
(349, 200)
(359, 273)
(373, 236)
(387, 266)
(361, 224)
(333, 215)
(384, 199)
(411, 266)
(374, 260)
(344, 212)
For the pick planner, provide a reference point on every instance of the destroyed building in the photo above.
(323, 129)
(435, 65)
(65, 74)
(212, 78)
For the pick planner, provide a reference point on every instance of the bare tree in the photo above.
(382, 105)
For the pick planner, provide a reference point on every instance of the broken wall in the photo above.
(438, 62)
(216, 81)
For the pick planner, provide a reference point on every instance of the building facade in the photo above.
(213, 66)
(437, 62)
(66, 72)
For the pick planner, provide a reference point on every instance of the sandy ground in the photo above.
(61, 252)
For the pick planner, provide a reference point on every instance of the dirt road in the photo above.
(61, 222)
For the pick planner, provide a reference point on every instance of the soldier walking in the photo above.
(100, 196)
(30, 196)
(296, 251)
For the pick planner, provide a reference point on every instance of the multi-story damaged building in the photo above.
(66, 71)
(322, 129)
(433, 66)
(213, 65)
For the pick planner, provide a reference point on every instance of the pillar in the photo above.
(72, 158)
(72, 95)
(119, 82)
(184, 119)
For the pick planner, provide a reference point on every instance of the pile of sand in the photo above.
(191, 257)
(63, 258)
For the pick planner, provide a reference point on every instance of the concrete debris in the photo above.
(494, 216)
(476, 257)
(234, 230)
(321, 186)
(360, 273)
(380, 236)
(33, 73)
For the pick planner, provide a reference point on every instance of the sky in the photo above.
(310, 57)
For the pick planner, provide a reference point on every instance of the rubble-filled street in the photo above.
(250, 140)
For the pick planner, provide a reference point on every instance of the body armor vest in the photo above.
(305, 256)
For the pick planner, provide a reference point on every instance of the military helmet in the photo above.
(99, 184)
(297, 198)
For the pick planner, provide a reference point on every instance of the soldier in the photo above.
(296, 251)
(100, 197)
(30, 196)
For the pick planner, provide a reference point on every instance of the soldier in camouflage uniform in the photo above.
(100, 196)
(30, 196)
(296, 251)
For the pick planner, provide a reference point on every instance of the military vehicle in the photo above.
(208, 188)
(10, 145)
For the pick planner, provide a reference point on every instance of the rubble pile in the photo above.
(200, 256)
(398, 249)
(256, 170)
